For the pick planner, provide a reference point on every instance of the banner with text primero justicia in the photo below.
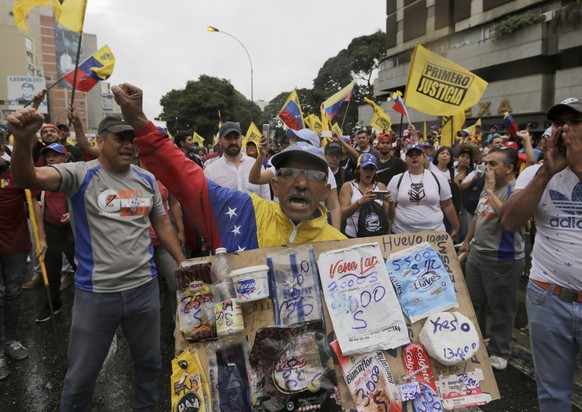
(439, 87)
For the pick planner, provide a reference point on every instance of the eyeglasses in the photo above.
(292, 173)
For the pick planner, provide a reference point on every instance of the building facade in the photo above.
(38, 59)
(526, 50)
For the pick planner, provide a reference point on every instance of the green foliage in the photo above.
(515, 23)
(196, 106)
(360, 61)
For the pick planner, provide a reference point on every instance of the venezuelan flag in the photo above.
(333, 104)
(97, 67)
(291, 113)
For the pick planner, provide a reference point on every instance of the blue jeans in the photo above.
(96, 317)
(12, 268)
(555, 328)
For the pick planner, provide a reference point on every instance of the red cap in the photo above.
(384, 136)
(50, 126)
(511, 145)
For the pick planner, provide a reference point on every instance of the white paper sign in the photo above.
(361, 302)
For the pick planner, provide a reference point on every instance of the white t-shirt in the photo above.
(556, 256)
(419, 208)
(226, 174)
(433, 168)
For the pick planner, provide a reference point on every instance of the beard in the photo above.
(232, 150)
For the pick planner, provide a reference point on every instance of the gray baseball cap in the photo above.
(229, 127)
(573, 103)
(300, 150)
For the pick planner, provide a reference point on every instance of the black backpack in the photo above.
(372, 220)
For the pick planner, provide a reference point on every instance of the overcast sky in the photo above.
(160, 45)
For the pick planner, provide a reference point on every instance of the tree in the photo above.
(196, 106)
(359, 61)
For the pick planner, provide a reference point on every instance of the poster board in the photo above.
(259, 314)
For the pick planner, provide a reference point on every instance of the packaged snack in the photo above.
(370, 381)
(190, 391)
(195, 301)
(293, 369)
(423, 285)
(233, 383)
(360, 300)
(294, 285)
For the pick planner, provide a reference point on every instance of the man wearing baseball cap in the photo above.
(59, 235)
(333, 155)
(112, 205)
(232, 169)
(233, 219)
(388, 165)
(550, 192)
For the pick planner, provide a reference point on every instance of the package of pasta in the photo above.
(422, 283)
(189, 387)
(195, 301)
(294, 286)
(292, 369)
(370, 381)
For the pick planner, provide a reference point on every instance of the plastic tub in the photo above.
(251, 283)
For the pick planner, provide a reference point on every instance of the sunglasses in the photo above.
(292, 173)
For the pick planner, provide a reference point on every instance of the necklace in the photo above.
(412, 180)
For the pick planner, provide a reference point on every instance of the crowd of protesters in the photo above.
(302, 188)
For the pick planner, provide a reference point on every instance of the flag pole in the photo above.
(78, 53)
(400, 131)
(345, 114)
(32, 217)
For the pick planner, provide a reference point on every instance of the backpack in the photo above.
(372, 220)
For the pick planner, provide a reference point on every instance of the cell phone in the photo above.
(326, 133)
(380, 194)
(266, 132)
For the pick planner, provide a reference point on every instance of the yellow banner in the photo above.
(440, 87)
(314, 123)
(380, 121)
(253, 133)
(450, 126)
(196, 138)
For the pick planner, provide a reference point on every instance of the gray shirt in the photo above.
(110, 215)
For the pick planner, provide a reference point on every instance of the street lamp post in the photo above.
(214, 29)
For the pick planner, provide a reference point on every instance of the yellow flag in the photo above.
(474, 137)
(440, 87)
(336, 128)
(23, 7)
(73, 14)
(325, 122)
(380, 121)
(253, 133)
(314, 123)
(196, 138)
(450, 126)
(424, 132)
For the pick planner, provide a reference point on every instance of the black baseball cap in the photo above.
(229, 127)
(114, 123)
(333, 147)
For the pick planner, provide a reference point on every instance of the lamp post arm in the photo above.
(248, 55)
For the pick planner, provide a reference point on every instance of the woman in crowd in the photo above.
(422, 197)
(470, 179)
(356, 197)
(443, 164)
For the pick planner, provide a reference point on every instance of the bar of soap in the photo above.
(449, 337)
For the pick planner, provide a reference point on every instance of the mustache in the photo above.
(297, 194)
